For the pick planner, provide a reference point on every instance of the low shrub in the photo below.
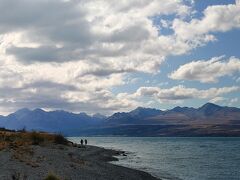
(60, 139)
(36, 138)
(52, 176)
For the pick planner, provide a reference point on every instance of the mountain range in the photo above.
(207, 114)
(207, 120)
(53, 121)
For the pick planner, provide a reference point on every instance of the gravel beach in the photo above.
(36, 162)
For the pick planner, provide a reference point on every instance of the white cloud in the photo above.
(207, 71)
(70, 54)
(60, 54)
(217, 18)
(178, 93)
(217, 99)
(234, 100)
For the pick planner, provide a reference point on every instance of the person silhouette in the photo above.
(85, 141)
(81, 142)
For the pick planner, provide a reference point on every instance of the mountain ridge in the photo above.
(208, 114)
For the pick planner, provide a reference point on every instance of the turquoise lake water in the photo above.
(177, 158)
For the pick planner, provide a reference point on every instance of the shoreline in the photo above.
(66, 162)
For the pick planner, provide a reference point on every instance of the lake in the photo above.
(177, 158)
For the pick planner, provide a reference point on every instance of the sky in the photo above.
(99, 56)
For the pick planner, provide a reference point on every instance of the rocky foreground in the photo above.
(39, 156)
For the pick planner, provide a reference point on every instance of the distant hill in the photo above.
(39, 119)
(209, 119)
(137, 116)
(207, 114)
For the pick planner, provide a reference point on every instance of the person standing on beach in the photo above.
(85, 141)
(81, 142)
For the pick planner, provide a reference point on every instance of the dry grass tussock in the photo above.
(19, 139)
(21, 144)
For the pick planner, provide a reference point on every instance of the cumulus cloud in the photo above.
(60, 96)
(60, 31)
(80, 30)
(55, 86)
(207, 71)
(217, 18)
(178, 93)
(70, 54)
